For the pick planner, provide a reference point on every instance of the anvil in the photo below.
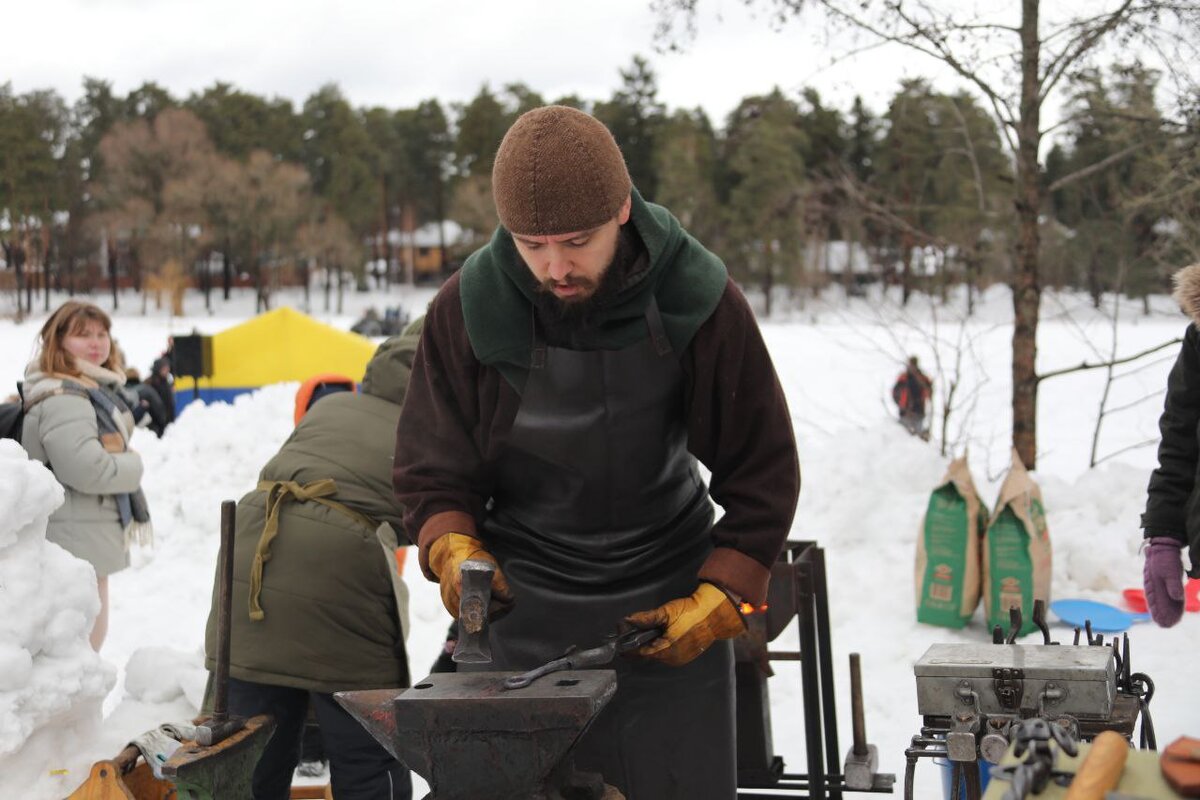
(472, 740)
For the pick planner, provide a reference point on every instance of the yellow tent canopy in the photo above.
(277, 346)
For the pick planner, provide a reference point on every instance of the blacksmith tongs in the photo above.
(614, 645)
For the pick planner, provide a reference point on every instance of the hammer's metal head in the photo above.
(860, 769)
(473, 645)
(471, 740)
(217, 729)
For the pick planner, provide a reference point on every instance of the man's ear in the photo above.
(623, 214)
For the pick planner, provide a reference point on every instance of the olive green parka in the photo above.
(324, 612)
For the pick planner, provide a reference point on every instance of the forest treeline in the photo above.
(226, 187)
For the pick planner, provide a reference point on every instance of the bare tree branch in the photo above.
(1074, 323)
(886, 215)
(1076, 26)
(1079, 47)
(1086, 366)
(942, 52)
(1135, 403)
(970, 153)
(1099, 166)
(853, 53)
(1000, 105)
(1115, 453)
(1116, 330)
(1144, 367)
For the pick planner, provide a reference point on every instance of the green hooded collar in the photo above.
(497, 291)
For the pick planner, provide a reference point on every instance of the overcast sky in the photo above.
(397, 52)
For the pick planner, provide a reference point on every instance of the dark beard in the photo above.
(564, 319)
(573, 313)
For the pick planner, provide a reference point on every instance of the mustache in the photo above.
(547, 286)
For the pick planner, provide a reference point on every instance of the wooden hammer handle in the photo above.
(1101, 769)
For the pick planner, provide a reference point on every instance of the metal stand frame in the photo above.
(931, 743)
(824, 778)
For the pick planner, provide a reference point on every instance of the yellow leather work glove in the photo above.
(446, 555)
(692, 625)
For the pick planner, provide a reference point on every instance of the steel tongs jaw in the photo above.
(584, 659)
(526, 678)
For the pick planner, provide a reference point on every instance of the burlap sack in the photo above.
(948, 573)
(1016, 551)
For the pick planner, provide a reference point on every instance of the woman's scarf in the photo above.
(114, 417)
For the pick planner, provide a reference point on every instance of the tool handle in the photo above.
(857, 717)
(638, 637)
(220, 709)
(1101, 768)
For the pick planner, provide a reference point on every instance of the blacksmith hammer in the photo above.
(473, 646)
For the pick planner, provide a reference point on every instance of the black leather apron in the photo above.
(599, 510)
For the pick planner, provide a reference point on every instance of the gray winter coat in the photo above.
(61, 432)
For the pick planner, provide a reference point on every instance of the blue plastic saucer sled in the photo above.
(1105, 618)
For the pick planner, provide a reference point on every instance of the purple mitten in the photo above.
(1162, 575)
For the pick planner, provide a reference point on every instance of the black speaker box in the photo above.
(192, 356)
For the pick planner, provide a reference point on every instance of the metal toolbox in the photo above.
(1016, 680)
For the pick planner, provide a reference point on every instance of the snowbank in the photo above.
(52, 685)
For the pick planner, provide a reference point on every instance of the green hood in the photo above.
(389, 369)
(498, 290)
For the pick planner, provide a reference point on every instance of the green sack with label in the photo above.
(1016, 551)
(948, 568)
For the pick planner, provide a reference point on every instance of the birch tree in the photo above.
(1017, 59)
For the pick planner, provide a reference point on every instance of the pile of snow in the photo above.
(163, 674)
(52, 685)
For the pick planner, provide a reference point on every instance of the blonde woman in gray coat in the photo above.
(78, 425)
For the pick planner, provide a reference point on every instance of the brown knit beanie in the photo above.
(557, 171)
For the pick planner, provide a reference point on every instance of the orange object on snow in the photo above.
(1136, 598)
(304, 395)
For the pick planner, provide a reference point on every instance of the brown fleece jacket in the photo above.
(458, 413)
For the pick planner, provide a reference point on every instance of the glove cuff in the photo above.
(443, 548)
(1166, 541)
(732, 596)
(726, 619)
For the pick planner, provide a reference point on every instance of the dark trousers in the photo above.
(359, 767)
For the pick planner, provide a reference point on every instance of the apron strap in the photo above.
(537, 352)
(658, 332)
(277, 493)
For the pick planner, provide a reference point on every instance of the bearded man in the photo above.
(568, 383)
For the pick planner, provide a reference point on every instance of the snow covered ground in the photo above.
(866, 484)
